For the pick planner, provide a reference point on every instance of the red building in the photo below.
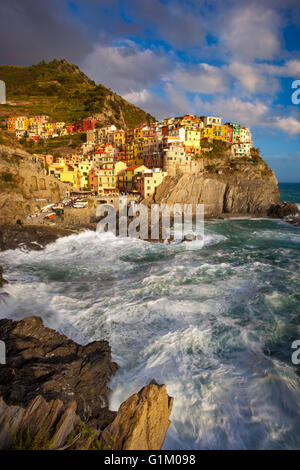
(229, 133)
(149, 132)
(85, 125)
(70, 129)
(165, 131)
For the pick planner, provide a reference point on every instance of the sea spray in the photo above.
(215, 323)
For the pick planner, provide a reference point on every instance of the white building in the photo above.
(241, 149)
(212, 120)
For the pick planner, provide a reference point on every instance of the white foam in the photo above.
(190, 319)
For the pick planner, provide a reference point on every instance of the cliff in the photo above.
(224, 186)
(54, 394)
(24, 185)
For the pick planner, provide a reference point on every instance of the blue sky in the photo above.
(236, 59)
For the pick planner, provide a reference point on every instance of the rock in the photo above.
(33, 237)
(141, 422)
(43, 362)
(283, 210)
(2, 281)
(41, 425)
(54, 395)
(249, 191)
(190, 237)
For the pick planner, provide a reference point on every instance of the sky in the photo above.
(229, 58)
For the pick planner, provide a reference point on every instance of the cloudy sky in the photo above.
(237, 59)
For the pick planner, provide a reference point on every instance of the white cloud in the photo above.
(202, 78)
(291, 69)
(179, 104)
(253, 78)
(125, 67)
(252, 33)
(250, 113)
(290, 125)
(174, 103)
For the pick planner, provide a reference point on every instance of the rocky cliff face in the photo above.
(148, 413)
(242, 187)
(54, 394)
(41, 361)
(24, 185)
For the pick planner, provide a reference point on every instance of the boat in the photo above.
(50, 216)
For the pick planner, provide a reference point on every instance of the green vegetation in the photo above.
(64, 93)
(6, 178)
(54, 145)
(7, 181)
(88, 433)
(23, 440)
(217, 148)
(255, 154)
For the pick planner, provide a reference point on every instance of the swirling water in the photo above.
(214, 323)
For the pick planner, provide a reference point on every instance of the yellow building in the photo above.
(18, 123)
(119, 138)
(149, 180)
(207, 133)
(127, 178)
(84, 169)
(11, 124)
(192, 138)
(217, 132)
(72, 177)
(138, 152)
(57, 169)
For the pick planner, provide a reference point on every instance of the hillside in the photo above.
(60, 90)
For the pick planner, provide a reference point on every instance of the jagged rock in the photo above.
(141, 422)
(2, 281)
(31, 237)
(41, 425)
(54, 395)
(40, 361)
(283, 210)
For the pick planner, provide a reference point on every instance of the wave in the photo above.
(213, 322)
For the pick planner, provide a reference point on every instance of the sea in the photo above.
(214, 322)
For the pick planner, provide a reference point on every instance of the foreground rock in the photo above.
(54, 395)
(283, 210)
(41, 361)
(31, 237)
(148, 413)
(288, 211)
(41, 425)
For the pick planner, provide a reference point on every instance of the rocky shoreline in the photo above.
(54, 394)
(36, 237)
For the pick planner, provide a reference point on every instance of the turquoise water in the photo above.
(290, 192)
(214, 323)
